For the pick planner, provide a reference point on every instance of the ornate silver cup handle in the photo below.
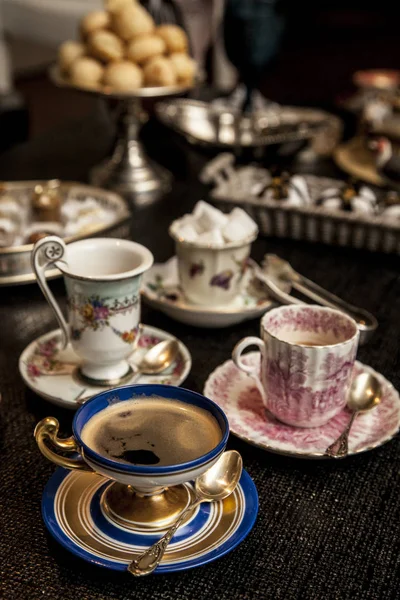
(47, 251)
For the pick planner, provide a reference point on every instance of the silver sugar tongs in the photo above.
(275, 268)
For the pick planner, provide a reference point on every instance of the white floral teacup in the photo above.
(308, 354)
(102, 279)
(210, 274)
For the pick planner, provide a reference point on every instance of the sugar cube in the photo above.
(73, 209)
(9, 208)
(392, 213)
(332, 203)
(197, 224)
(239, 226)
(207, 217)
(295, 198)
(298, 185)
(330, 193)
(70, 210)
(367, 193)
(362, 205)
(213, 237)
(8, 231)
(8, 225)
(209, 226)
(187, 232)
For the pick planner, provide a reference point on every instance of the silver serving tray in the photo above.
(208, 125)
(15, 266)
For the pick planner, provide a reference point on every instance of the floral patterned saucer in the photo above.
(241, 401)
(160, 288)
(54, 378)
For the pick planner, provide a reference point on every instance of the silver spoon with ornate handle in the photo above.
(365, 393)
(216, 483)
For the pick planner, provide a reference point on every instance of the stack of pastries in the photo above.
(121, 50)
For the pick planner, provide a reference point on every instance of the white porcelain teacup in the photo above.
(102, 279)
(307, 359)
(211, 275)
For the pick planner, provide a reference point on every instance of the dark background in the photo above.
(327, 41)
(324, 43)
(325, 531)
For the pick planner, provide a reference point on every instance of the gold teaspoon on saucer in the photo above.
(217, 483)
(365, 393)
(156, 360)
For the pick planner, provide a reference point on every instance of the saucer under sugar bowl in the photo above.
(212, 263)
(140, 493)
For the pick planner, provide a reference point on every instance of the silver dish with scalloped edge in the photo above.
(15, 266)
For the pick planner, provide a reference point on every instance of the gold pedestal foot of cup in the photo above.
(130, 510)
(102, 382)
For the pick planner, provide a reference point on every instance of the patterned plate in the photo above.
(54, 379)
(72, 513)
(241, 401)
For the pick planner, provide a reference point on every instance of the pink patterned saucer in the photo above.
(240, 399)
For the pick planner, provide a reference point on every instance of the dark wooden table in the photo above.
(325, 530)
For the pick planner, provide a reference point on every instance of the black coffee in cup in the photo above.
(152, 431)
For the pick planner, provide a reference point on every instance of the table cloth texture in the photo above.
(325, 529)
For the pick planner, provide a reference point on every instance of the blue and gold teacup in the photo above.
(148, 495)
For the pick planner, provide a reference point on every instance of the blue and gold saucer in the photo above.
(73, 512)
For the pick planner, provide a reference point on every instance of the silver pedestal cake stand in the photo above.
(128, 170)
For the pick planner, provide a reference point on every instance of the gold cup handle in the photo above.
(47, 429)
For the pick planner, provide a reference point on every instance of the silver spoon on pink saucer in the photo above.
(365, 393)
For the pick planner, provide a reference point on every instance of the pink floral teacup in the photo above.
(102, 278)
(308, 353)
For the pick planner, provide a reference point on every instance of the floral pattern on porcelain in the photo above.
(308, 357)
(128, 337)
(148, 341)
(296, 394)
(241, 401)
(95, 312)
(157, 287)
(308, 320)
(43, 360)
(196, 269)
(222, 280)
(211, 275)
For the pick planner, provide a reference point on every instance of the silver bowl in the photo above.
(208, 125)
(15, 261)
